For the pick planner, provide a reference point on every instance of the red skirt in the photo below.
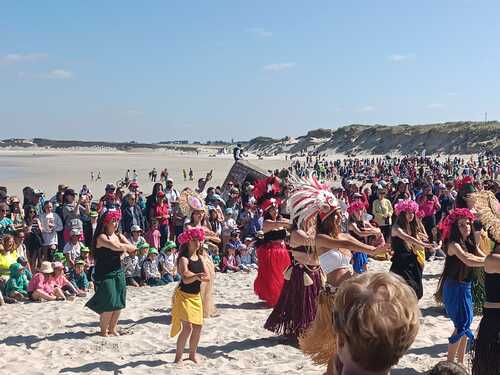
(274, 259)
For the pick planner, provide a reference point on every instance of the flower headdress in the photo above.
(466, 182)
(452, 218)
(266, 192)
(190, 201)
(190, 234)
(356, 206)
(111, 215)
(309, 199)
(406, 206)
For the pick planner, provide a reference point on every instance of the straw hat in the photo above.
(190, 201)
(487, 207)
(46, 267)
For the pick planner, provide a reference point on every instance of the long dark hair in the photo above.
(329, 225)
(98, 231)
(184, 251)
(402, 223)
(450, 265)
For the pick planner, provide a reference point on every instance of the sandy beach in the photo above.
(64, 338)
(60, 337)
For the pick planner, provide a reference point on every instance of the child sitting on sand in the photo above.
(41, 287)
(132, 269)
(136, 235)
(17, 285)
(23, 262)
(216, 259)
(59, 280)
(72, 248)
(229, 261)
(150, 270)
(78, 277)
(245, 259)
(448, 368)
(366, 342)
(168, 263)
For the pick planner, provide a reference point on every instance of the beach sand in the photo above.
(60, 337)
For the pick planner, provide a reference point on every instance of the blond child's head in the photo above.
(376, 319)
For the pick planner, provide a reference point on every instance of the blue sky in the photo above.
(160, 70)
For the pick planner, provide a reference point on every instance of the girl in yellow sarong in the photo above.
(187, 307)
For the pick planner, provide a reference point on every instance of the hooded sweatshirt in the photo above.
(17, 281)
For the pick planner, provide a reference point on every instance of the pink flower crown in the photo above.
(191, 234)
(111, 215)
(452, 218)
(356, 206)
(406, 206)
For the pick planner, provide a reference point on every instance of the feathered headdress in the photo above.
(266, 192)
(452, 218)
(488, 212)
(464, 182)
(190, 201)
(309, 199)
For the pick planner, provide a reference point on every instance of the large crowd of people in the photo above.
(307, 231)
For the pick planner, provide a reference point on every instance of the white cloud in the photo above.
(59, 74)
(260, 32)
(13, 58)
(279, 67)
(368, 108)
(435, 106)
(400, 58)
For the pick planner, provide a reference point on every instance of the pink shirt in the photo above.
(39, 281)
(153, 238)
(59, 281)
(428, 207)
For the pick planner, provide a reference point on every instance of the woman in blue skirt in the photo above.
(462, 254)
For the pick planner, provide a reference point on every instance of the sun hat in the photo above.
(143, 245)
(46, 267)
(94, 214)
(59, 256)
(169, 245)
(152, 250)
(135, 228)
(75, 232)
(80, 262)
(84, 249)
(57, 265)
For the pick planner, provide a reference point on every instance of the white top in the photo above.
(333, 260)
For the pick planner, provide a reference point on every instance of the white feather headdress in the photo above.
(308, 199)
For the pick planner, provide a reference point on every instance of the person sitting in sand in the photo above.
(17, 285)
(366, 343)
(132, 269)
(229, 261)
(60, 280)
(8, 255)
(72, 249)
(150, 270)
(245, 260)
(41, 287)
(78, 277)
(136, 235)
(168, 263)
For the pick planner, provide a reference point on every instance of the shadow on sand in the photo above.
(111, 366)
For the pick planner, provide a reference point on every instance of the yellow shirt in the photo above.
(6, 259)
(382, 210)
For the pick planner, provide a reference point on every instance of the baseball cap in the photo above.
(135, 228)
(75, 232)
(152, 250)
(80, 262)
(170, 179)
(110, 187)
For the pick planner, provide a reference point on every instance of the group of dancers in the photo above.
(299, 277)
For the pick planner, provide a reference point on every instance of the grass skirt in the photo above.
(273, 259)
(110, 293)
(185, 307)
(319, 342)
(296, 307)
(487, 346)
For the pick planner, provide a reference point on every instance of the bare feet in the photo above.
(103, 334)
(114, 333)
(193, 359)
(178, 360)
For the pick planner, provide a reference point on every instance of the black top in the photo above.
(275, 235)
(194, 267)
(399, 247)
(106, 261)
(492, 287)
(455, 269)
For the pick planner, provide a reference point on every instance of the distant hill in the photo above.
(445, 138)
